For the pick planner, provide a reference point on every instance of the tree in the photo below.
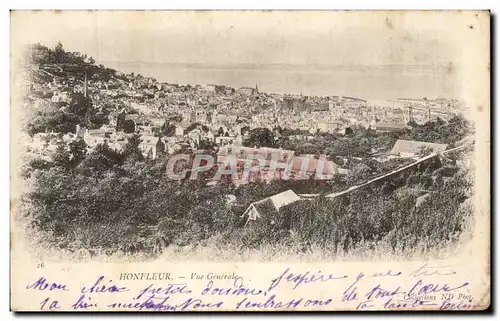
(205, 144)
(101, 159)
(244, 130)
(168, 129)
(79, 104)
(77, 149)
(260, 137)
(192, 126)
(62, 156)
(59, 52)
(132, 150)
(129, 126)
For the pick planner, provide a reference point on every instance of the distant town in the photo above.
(172, 118)
(102, 147)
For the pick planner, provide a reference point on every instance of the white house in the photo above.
(255, 210)
(410, 148)
(150, 146)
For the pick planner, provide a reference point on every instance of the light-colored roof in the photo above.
(329, 167)
(149, 140)
(96, 132)
(284, 198)
(414, 147)
(278, 201)
(390, 126)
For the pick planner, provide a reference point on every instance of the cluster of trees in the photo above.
(109, 201)
(63, 116)
(404, 212)
(43, 55)
(359, 142)
(65, 63)
(114, 201)
(63, 119)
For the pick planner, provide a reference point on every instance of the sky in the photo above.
(259, 37)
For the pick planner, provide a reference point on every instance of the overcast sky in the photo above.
(333, 38)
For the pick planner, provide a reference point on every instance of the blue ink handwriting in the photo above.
(387, 273)
(350, 293)
(82, 304)
(426, 270)
(303, 278)
(169, 289)
(42, 284)
(420, 288)
(238, 289)
(98, 287)
(54, 305)
(378, 292)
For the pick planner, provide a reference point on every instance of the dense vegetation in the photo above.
(109, 201)
(360, 142)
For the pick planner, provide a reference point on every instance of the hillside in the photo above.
(105, 200)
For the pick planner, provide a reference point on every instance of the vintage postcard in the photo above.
(250, 160)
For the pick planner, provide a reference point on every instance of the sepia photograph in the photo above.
(141, 137)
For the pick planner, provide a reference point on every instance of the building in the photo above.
(177, 147)
(293, 103)
(137, 119)
(306, 166)
(269, 207)
(210, 87)
(151, 146)
(93, 137)
(411, 148)
(267, 153)
(388, 127)
(353, 103)
(179, 130)
(194, 137)
(248, 91)
(225, 140)
(268, 163)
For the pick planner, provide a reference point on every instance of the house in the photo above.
(225, 140)
(387, 127)
(93, 137)
(210, 136)
(179, 131)
(69, 137)
(228, 90)
(117, 146)
(411, 148)
(248, 91)
(151, 146)
(269, 206)
(136, 118)
(157, 122)
(323, 106)
(353, 103)
(313, 166)
(147, 130)
(277, 154)
(178, 147)
(194, 137)
(210, 87)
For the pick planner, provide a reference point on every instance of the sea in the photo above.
(384, 82)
